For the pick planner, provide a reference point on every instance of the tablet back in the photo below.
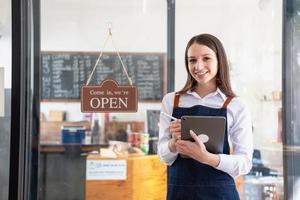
(212, 126)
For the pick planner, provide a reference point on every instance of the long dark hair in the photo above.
(222, 77)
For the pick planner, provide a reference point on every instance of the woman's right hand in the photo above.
(175, 130)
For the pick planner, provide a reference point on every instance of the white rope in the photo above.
(129, 79)
(100, 55)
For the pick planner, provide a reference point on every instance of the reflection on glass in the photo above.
(292, 179)
(5, 95)
(73, 34)
(252, 35)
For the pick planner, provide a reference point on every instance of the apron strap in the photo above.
(176, 100)
(227, 101)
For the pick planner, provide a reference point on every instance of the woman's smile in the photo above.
(201, 74)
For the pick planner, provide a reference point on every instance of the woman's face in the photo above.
(202, 64)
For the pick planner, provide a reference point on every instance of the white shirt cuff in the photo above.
(225, 164)
(167, 156)
(234, 165)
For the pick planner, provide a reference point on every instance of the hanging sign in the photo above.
(109, 96)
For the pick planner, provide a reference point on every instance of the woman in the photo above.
(207, 92)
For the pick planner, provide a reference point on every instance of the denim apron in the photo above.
(189, 179)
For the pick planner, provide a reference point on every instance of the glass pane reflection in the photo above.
(5, 95)
(251, 32)
(71, 31)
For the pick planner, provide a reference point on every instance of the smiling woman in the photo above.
(207, 92)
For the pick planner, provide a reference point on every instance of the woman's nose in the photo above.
(199, 65)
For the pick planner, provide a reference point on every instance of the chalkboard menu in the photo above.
(63, 73)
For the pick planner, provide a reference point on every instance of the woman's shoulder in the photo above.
(238, 104)
(169, 97)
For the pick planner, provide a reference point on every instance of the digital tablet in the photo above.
(210, 129)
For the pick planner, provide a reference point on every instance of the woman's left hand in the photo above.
(195, 150)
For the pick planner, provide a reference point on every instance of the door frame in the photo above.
(24, 99)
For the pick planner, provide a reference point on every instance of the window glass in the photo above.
(291, 100)
(118, 150)
(5, 94)
(251, 32)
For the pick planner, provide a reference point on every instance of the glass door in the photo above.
(58, 152)
(117, 150)
(291, 64)
(5, 95)
(251, 32)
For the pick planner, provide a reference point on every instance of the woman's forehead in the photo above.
(199, 50)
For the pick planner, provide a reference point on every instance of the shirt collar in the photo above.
(217, 92)
(224, 97)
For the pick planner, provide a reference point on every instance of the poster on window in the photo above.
(106, 170)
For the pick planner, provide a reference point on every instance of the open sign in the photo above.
(109, 96)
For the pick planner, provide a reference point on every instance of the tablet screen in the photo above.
(210, 129)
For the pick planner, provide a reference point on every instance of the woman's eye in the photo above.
(206, 58)
(192, 61)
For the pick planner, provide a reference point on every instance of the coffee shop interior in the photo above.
(113, 155)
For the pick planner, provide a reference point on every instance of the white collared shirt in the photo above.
(239, 128)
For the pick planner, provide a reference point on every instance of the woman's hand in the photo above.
(197, 151)
(175, 130)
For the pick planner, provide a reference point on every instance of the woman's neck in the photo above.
(204, 90)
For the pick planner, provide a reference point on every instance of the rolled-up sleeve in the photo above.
(166, 156)
(240, 132)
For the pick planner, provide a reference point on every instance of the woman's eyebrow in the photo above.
(206, 54)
